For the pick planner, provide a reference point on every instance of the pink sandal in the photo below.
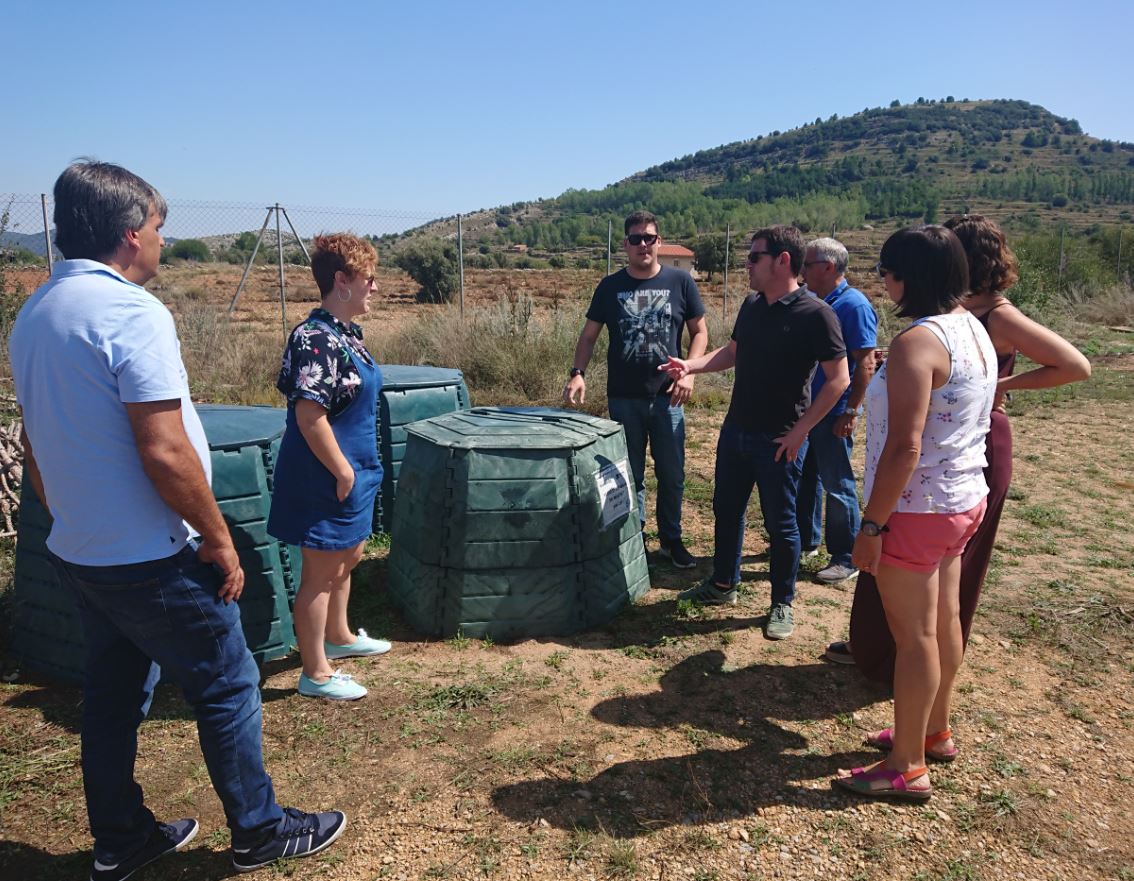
(893, 784)
(884, 740)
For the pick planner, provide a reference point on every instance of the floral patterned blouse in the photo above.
(949, 476)
(318, 363)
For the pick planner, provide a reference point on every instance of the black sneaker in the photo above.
(298, 835)
(677, 554)
(166, 838)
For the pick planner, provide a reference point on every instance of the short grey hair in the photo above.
(96, 203)
(830, 251)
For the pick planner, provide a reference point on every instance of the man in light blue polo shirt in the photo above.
(114, 449)
(827, 466)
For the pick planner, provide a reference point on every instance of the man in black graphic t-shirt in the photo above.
(645, 307)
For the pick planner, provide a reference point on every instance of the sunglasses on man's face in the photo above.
(754, 256)
(642, 238)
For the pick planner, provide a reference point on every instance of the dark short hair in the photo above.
(639, 218)
(340, 252)
(992, 265)
(931, 264)
(784, 238)
(96, 204)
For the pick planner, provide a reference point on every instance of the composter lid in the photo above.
(399, 376)
(514, 428)
(230, 427)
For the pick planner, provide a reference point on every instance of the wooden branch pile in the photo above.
(11, 474)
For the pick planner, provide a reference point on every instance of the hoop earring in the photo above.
(339, 294)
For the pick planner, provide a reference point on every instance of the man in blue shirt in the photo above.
(115, 451)
(827, 465)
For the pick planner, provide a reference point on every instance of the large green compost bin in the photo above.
(514, 523)
(47, 633)
(409, 394)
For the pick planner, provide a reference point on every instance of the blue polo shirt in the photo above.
(84, 345)
(860, 331)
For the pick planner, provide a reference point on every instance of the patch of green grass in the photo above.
(459, 643)
(579, 846)
(1002, 802)
(1041, 515)
(555, 660)
(621, 859)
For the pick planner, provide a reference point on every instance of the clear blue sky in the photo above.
(445, 107)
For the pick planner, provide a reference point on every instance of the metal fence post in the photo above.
(283, 284)
(1062, 233)
(1118, 263)
(609, 233)
(727, 256)
(51, 255)
(461, 263)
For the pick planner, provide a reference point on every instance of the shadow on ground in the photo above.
(702, 700)
(22, 862)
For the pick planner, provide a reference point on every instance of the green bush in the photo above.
(432, 263)
(187, 249)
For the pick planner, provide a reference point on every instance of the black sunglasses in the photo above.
(882, 270)
(642, 238)
(754, 256)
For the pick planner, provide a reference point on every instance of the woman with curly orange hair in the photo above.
(328, 473)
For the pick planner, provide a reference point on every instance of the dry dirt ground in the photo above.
(677, 743)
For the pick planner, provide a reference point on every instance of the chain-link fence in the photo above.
(523, 236)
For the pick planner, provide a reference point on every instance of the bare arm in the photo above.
(716, 361)
(575, 391)
(917, 362)
(171, 464)
(31, 469)
(698, 342)
(316, 430)
(1059, 362)
(863, 373)
(838, 378)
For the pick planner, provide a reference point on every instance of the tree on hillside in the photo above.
(187, 249)
(432, 263)
(709, 254)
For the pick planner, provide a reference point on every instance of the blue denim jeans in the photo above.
(166, 612)
(653, 419)
(747, 459)
(827, 471)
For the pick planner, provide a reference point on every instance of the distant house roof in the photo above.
(673, 251)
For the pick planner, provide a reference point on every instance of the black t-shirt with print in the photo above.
(646, 320)
(777, 350)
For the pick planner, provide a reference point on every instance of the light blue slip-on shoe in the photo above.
(360, 648)
(338, 687)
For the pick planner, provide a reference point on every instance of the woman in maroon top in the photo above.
(992, 270)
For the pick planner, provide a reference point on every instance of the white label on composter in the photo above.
(614, 489)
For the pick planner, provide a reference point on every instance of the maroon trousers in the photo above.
(870, 637)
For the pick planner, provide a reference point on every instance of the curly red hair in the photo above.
(992, 265)
(343, 252)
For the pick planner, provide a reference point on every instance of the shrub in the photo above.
(187, 249)
(432, 263)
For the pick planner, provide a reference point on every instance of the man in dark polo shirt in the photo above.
(780, 335)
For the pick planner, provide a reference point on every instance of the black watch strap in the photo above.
(575, 371)
(869, 527)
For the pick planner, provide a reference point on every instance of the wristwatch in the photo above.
(575, 371)
(872, 529)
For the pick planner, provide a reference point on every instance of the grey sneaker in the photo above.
(835, 573)
(708, 594)
(781, 622)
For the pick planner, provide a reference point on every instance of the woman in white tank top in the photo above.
(927, 417)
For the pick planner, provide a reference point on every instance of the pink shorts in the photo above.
(921, 541)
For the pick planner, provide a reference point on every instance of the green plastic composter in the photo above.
(47, 635)
(409, 394)
(515, 522)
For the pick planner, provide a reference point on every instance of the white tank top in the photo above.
(949, 477)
